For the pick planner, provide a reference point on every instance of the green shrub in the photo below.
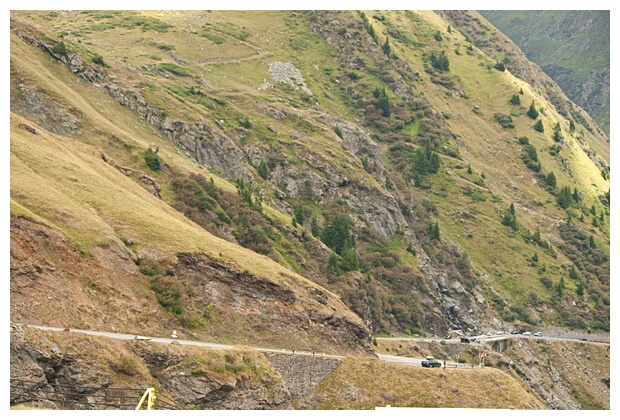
(168, 293)
(212, 37)
(151, 160)
(338, 131)
(97, 59)
(515, 99)
(440, 61)
(60, 48)
(504, 120)
(150, 268)
(539, 126)
(532, 112)
(127, 365)
(175, 69)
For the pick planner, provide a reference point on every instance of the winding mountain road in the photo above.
(385, 357)
(119, 336)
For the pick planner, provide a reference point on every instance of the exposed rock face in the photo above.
(45, 266)
(208, 145)
(270, 308)
(377, 207)
(63, 370)
(454, 307)
(35, 106)
(204, 390)
(149, 182)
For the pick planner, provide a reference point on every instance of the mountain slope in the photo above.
(572, 47)
(361, 172)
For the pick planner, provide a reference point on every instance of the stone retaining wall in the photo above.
(302, 373)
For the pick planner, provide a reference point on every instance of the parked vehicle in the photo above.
(583, 339)
(538, 334)
(431, 362)
(465, 340)
(527, 333)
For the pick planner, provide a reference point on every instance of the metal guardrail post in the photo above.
(149, 397)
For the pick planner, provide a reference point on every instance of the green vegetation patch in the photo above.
(125, 19)
(212, 37)
(230, 29)
(176, 69)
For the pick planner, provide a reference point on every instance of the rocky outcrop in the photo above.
(38, 108)
(152, 185)
(270, 312)
(206, 144)
(65, 370)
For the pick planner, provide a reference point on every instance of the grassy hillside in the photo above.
(376, 154)
(366, 384)
(571, 47)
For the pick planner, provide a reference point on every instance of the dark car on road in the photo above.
(465, 340)
(431, 362)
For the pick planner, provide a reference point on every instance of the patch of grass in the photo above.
(176, 69)
(232, 30)
(212, 37)
(127, 364)
(378, 384)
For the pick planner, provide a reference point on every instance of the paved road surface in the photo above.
(385, 357)
(479, 338)
(119, 336)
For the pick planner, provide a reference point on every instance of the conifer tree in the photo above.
(572, 273)
(592, 243)
(386, 47)
(550, 180)
(532, 112)
(314, 228)
(560, 287)
(580, 288)
(263, 170)
(435, 234)
(515, 99)
(298, 213)
(434, 163)
(565, 199)
(539, 126)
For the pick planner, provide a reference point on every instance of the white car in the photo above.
(527, 333)
(538, 334)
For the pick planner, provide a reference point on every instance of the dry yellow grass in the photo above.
(364, 384)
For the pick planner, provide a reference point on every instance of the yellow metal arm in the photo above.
(149, 397)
